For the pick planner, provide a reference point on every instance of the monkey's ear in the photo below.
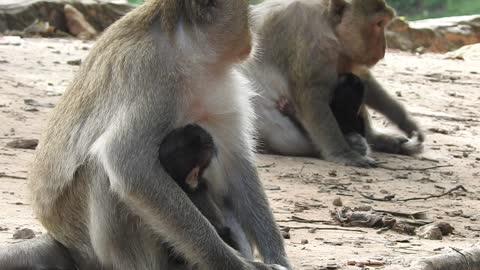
(202, 11)
(336, 8)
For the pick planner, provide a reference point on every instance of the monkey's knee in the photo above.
(358, 143)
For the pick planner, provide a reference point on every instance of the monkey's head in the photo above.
(361, 30)
(220, 26)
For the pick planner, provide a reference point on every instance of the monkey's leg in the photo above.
(249, 204)
(40, 253)
(119, 237)
(279, 134)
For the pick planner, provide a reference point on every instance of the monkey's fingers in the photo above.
(418, 135)
(412, 146)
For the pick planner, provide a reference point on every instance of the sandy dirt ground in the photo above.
(443, 95)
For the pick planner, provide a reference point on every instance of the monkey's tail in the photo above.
(43, 252)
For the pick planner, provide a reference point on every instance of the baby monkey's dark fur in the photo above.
(346, 103)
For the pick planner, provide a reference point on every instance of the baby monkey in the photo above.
(185, 154)
(346, 104)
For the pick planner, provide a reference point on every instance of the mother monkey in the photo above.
(97, 184)
(304, 45)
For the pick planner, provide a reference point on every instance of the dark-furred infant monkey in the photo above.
(185, 154)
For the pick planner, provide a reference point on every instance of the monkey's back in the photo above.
(63, 172)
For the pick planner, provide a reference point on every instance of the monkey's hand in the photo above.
(413, 131)
(397, 144)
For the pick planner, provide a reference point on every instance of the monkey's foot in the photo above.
(352, 158)
(285, 107)
(358, 143)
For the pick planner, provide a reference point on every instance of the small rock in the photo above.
(398, 93)
(285, 235)
(477, 159)
(76, 62)
(337, 201)
(430, 232)
(332, 173)
(270, 187)
(455, 213)
(445, 228)
(333, 266)
(304, 241)
(4, 62)
(23, 144)
(24, 234)
(439, 130)
(465, 155)
(35, 103)
(2, 229)
(312, 230)
(30, 109)
(435, 231)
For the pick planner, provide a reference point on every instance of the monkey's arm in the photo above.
(320, 123)
(253, 210)
(128, 153)
(378, 99)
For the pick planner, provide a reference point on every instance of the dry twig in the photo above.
(391, 198)
(413, 169)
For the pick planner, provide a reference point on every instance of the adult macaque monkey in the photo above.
(303, 46)
(97, 184)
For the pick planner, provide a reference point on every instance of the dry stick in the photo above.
(303, 220)
(413, 169)
(326, 229)
(12, 176)
(459, 187)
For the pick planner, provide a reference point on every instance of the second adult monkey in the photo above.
(303, 46)
(97, 184)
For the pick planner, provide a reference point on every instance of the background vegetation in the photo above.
(421, 9)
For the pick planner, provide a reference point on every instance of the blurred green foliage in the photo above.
(419, 9)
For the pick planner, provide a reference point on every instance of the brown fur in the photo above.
(96, 182)
(307, 43)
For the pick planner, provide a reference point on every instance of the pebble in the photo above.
(24, 234)
(337, 201)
